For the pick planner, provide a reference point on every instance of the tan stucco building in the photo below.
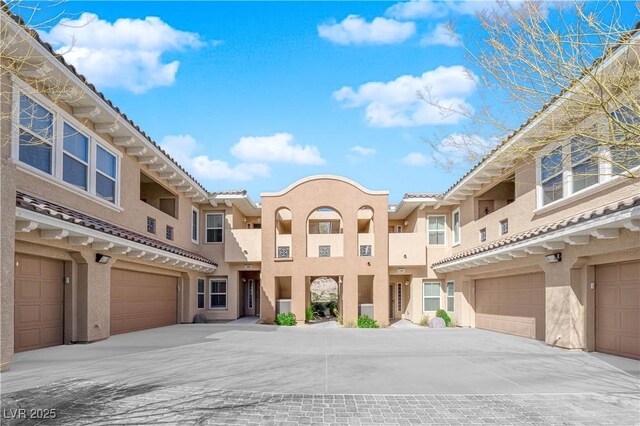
(102, 233)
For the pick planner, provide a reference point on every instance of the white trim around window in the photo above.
(218, 289)
(55, 174)
(431, 295)
(439, 230)
(195, 225)
(455, 227)
(216, 225)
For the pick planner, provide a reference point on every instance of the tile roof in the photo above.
(230, 192)
(4, 7)
(409, 195)
(542, 109)
(59, 212)
(545, 229)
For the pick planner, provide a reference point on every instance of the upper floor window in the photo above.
(483, 235)
(50, 144)
(215, 228)
(283, 252)
(551, 176)
(365, 250)
(169, 232)
(584, 163)
(456, 226)
(36, 135)
(195, 224)
(623, 156)
(436, 230)
(504, 226)
(151, 225)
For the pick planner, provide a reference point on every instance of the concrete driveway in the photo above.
(328, 360)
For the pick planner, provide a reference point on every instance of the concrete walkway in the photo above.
(324, 360)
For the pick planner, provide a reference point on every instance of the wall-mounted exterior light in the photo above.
(554, 258)
(102, 258)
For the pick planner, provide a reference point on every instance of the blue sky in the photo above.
(257, 95)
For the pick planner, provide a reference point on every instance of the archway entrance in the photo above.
(323, 298)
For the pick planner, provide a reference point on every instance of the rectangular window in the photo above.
(504, 226)
(283, 252)
(200, 293)
(151, 225)
(169, 232)
(195, 225)
(36, 135)
(365, 250)
(324, 251)
(215, 227)
(324, 228)
(456, 226)
(584, 164)
(436, 230)
(551, 176)
(450, 296)
(625, 156)
(399, 297)
(431, 296)
(483, 235)
(399, 229)
(75, 160)
(250, 294)
(218, 294)
(106, 169)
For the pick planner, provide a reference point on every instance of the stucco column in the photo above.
(267, 298)
(7, 264)
(350, 298)
(94, 297)
(564, 299)
(298, 297)
(381, 299)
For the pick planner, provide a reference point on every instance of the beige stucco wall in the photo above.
(303, 199)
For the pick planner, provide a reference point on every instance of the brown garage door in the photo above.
(39, 303)
(513, 305)
(618, 309)
(140, 301)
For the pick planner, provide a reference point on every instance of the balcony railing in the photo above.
(242, 245)
(407, 249)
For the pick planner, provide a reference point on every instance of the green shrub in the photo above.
(288, 319)
(365, 322)
(424, 321)
(308, 313)
(443, 314)
(333, 308)
(318, 309)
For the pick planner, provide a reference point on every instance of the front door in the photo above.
(250, 298)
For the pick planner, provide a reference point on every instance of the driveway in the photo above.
(250, 361)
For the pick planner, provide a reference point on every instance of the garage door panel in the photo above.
(39, 303)
(513, 305)
(141, 301)
(618, 309)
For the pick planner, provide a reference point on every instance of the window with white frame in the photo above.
(215, 227)
(431, 296)
(456, 226)
(200, 294)
(551, 179)
(436, 230)
(195, 224)
(450, 296)
(35, 146)
(75, 158)
(51, 144)
(218, 293)
(585, 169)
(623, 156)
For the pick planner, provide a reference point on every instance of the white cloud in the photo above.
(396, 103)
(183, 147)
(276, 148)
(362, 151)
(415, 9)
(459, 149)
(441, 35)
(355, 30)
(416, 159)
(124, 54)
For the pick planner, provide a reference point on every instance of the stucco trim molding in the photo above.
(104, 242)
(325, 177)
